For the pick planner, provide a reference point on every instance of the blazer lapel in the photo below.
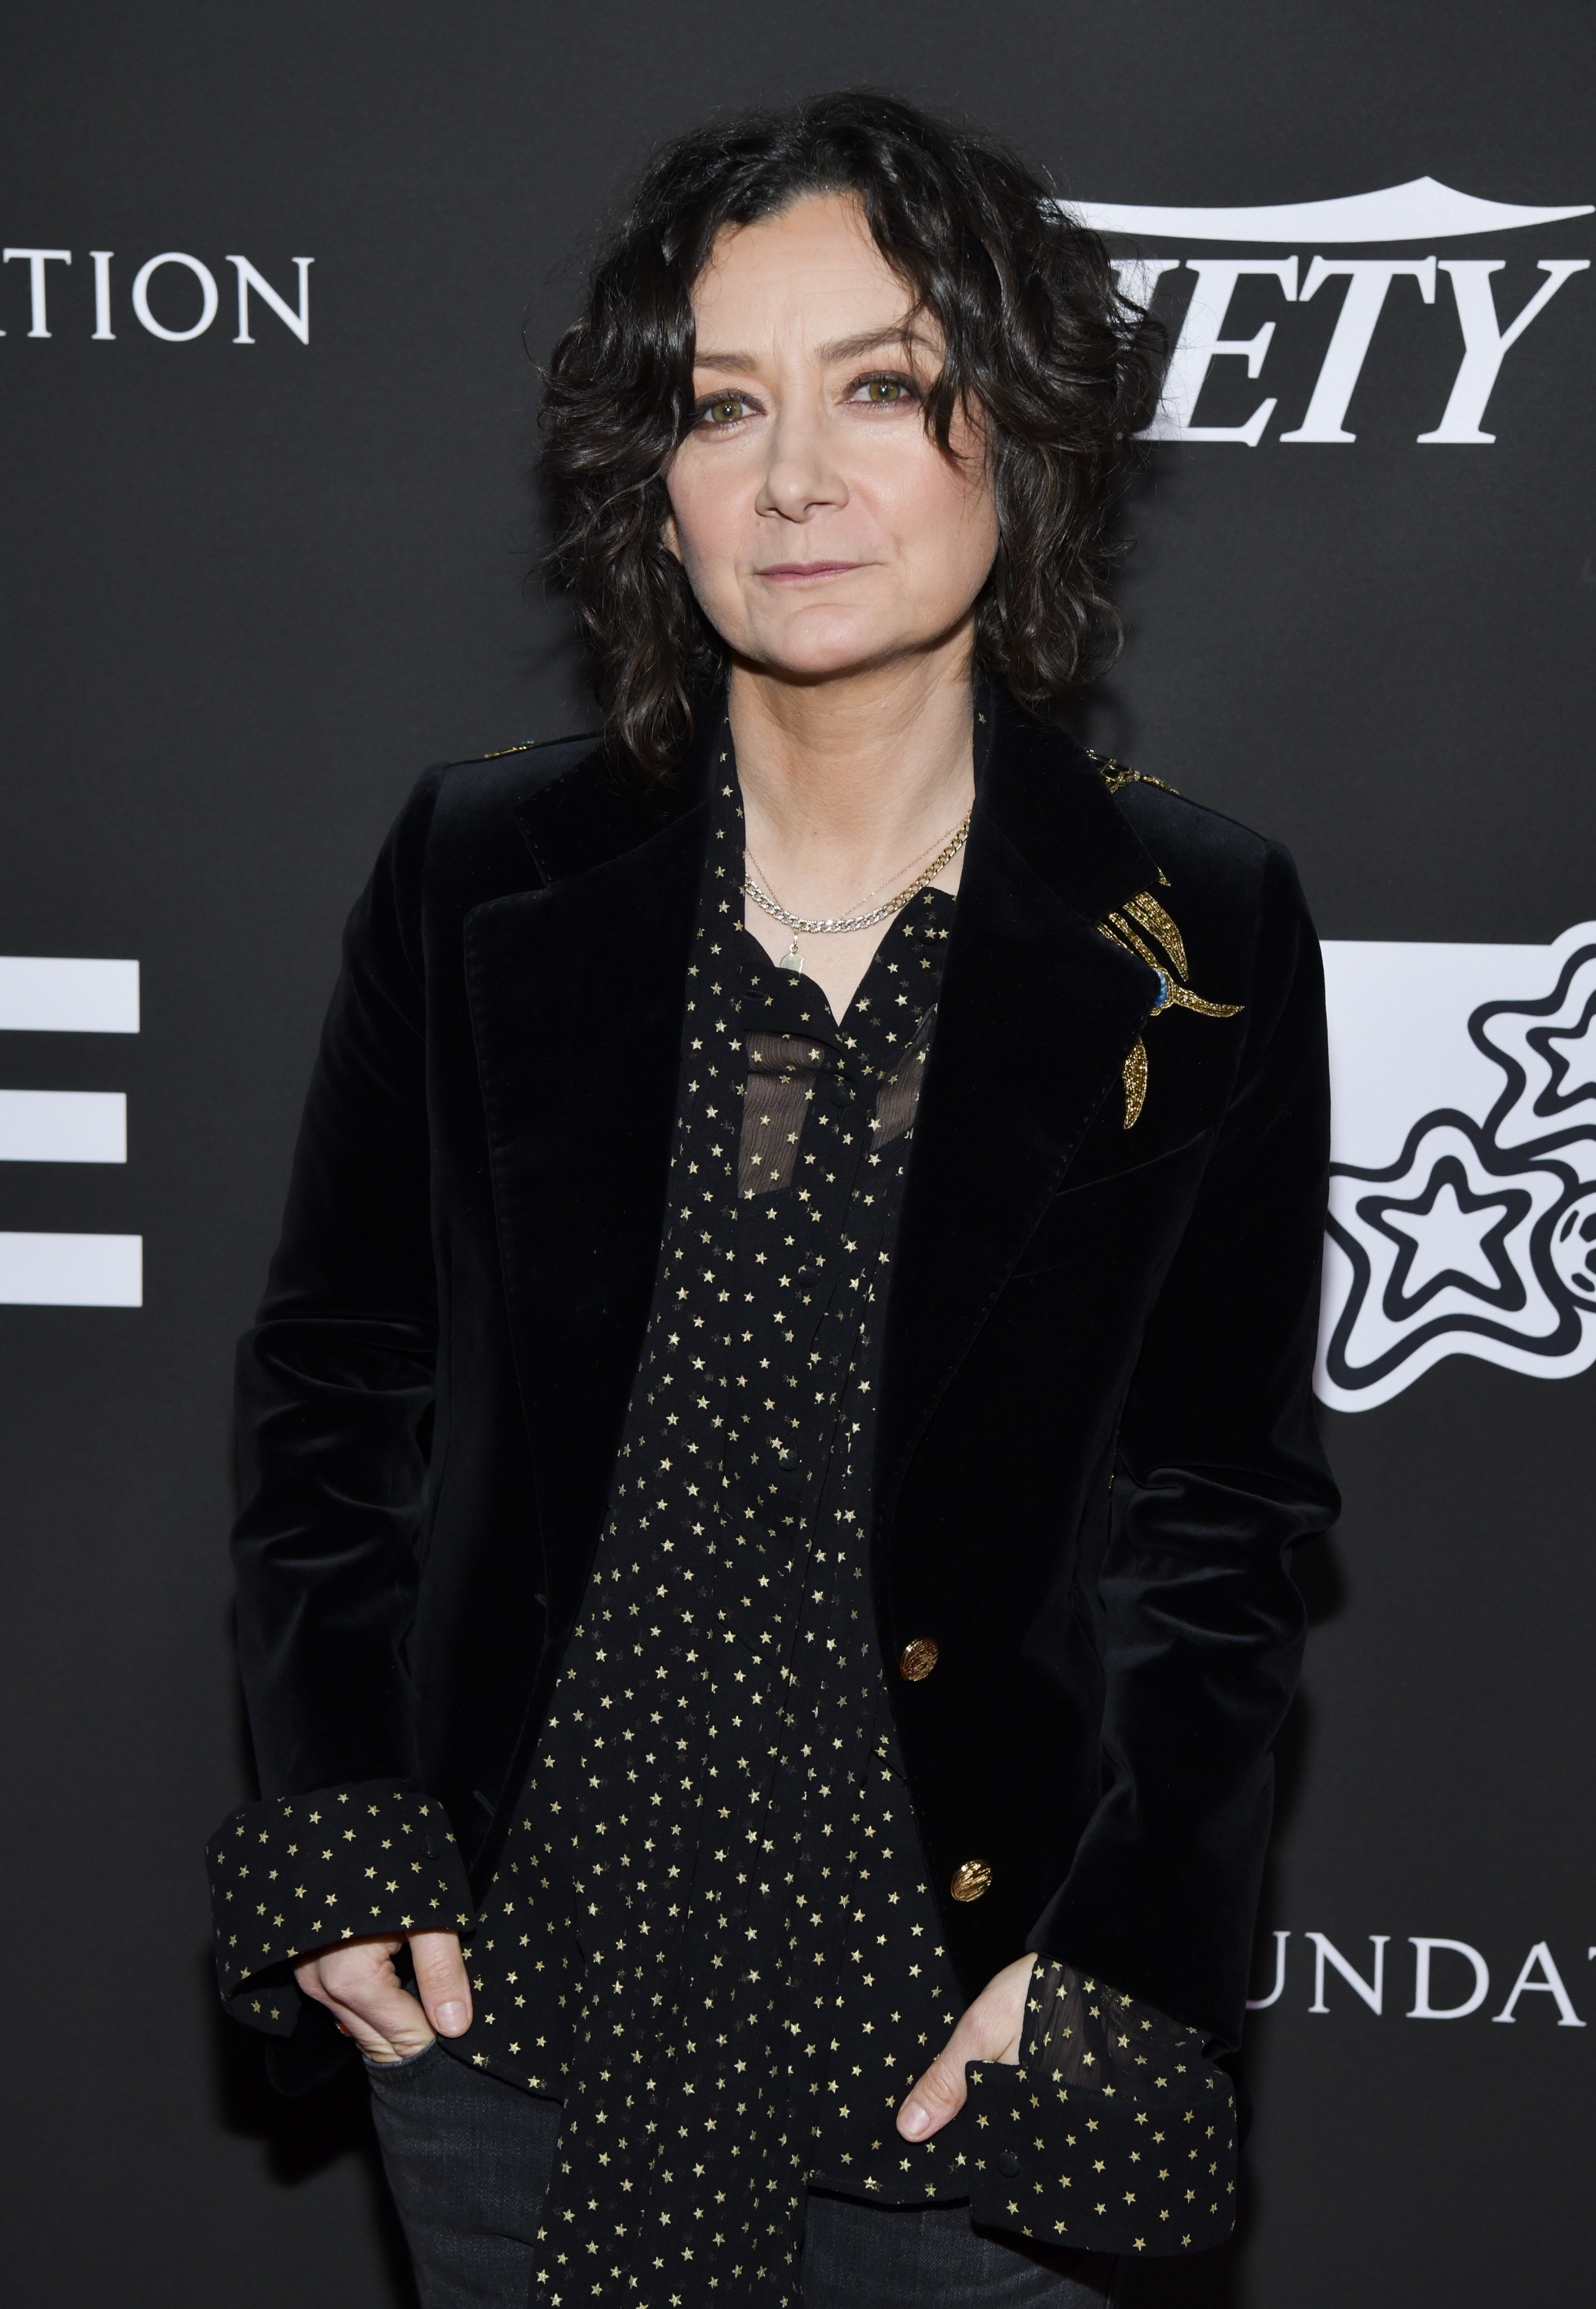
(1037, 1013)
(577, 991)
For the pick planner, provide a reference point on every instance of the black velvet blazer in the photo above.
(1096, 1439)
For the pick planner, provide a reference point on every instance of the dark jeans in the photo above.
(468, 2158)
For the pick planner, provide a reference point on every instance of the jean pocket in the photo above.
(406, 2066)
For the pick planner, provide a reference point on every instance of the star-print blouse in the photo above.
(710, 1933)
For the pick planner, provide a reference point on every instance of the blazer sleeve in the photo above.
(1217, 1472)
(334, 1402)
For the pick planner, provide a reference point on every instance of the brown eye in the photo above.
(727, 410)
(885, 388)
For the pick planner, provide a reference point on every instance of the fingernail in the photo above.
(452, 2018)
(913, 2120)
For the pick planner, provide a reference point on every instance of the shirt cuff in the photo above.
(1113, 2133)
(295, 1873)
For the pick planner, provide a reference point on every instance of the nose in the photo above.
(800, 476)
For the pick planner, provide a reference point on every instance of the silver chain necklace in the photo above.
(838, 925)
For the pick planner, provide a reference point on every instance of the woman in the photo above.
(769, 1448)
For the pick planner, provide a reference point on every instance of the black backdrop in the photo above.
(253, 589)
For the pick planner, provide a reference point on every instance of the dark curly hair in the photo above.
(1058, 368)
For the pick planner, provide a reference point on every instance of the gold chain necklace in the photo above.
(838, 925)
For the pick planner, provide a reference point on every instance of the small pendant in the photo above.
(791, 960)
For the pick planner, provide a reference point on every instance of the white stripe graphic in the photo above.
(67, 994)
(1423, 209)
(72, 1270)
(62, 1126)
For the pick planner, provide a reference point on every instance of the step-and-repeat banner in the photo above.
(265, 283)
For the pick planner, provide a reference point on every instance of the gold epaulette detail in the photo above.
(1123, 927)
(1115, 774)
(530, 745)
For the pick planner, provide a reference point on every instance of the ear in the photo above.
(669, 536)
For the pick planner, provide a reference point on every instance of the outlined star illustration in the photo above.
(1471, 1242)
(1450, 1235)
(1569, 1053)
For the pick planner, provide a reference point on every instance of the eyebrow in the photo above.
(840, 349)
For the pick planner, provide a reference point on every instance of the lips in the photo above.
(799, 572)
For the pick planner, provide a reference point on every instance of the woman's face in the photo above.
(821, 528)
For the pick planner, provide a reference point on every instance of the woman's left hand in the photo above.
(990, 2029)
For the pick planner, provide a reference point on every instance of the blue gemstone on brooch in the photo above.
(1163, 994)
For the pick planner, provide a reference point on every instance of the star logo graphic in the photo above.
(1569, 1053)
(1450, 1235)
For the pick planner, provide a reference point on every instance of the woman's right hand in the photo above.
(357, 1982)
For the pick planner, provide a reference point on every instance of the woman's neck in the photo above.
(848, 787)
(842, 780)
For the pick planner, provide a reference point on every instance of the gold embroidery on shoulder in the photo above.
(1115, 774)
(1125, 927)
(531, 745)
